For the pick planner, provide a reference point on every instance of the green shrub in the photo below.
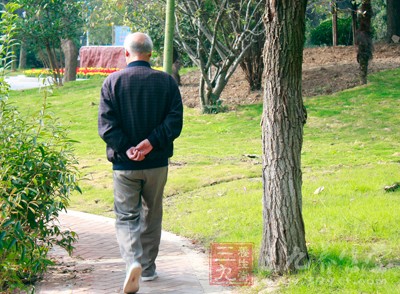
(37, 175)
(322, 34)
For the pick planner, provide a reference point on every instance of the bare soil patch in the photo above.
(325, 70)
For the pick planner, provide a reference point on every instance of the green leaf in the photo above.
(12, 243)
(42, 151)
(2, 235)
(7, 223)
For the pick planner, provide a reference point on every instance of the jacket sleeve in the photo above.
(109, 127)
(165, 133)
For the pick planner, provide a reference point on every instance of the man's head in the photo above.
(138, 46)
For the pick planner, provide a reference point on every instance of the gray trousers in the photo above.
(138, 208)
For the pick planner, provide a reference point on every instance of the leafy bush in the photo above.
(215, 108)
(37, 174)
(36, 178)
(322, 34)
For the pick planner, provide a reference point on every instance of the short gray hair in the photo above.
(138, 43)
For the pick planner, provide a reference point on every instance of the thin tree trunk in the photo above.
(334, 23)
(22, 56)
(354, 8)
(169, 36)
(44, 59)
(176, 66)
(364, 40)
(53, 65)
(283, 245)
(14, 60)
(205, 96)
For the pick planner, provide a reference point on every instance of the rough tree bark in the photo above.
(283, 247)
(253, 64)
(364, 40)
(71, 59)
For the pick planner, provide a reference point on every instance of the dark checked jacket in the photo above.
(139, 103)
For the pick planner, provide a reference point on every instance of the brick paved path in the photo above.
(96, 265)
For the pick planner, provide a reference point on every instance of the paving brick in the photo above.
(99, 268)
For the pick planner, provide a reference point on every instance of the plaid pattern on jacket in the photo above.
(139, 103)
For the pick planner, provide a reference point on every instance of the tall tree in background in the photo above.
(46, 23)
(283, 245)
(364, 40)
(393, 18)
(99, 18)
(140, 15)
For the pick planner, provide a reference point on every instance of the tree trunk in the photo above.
(53, 65)
(176, 66)
(71, 59)
(253, 65)
(22, 56)
(14, 59)
(202, 93)
(354, 8)
(208, 98)
(169, 36)
(364, 40)
(43, 58)
(210, 91)
(334, 23)
(393, 18)
(283, 245)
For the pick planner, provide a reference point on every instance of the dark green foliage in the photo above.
(37, 175)
(322, 34)
(33, 58)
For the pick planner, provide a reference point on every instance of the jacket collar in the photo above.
(139, 63)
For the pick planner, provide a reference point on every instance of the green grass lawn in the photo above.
(351, 149)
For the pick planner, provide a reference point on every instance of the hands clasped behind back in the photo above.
(139, 152)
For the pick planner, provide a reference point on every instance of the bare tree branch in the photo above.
(225, 32)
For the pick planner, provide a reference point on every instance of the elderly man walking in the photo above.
(140, 115)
